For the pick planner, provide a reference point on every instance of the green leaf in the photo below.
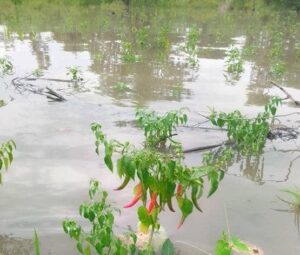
(238, 244)
(220, 122)
(168, 248)
(36, 244)
(108, 162)
(144, 217)
(186, 207)
(222, 248)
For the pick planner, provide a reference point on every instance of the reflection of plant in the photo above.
(6, 66)
(162, 40)
(37, 72)
(227, 245)
(6, 155)
(297, 48)
(2, 103)
(249, 51)
(234, 61)
(159, 129)
(121, 86)
(294, 204)
(278, 69)
(249, 134)
(101, 238)
(75, 73)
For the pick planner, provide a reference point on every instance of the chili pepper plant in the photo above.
(160, 177)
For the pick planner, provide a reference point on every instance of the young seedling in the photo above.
(234, 61)
(127, 54)
(227, 246)
(75, 73)
(6, 66)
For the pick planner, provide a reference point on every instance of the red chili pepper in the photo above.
(138, 194)
(152, 203)
(179, 192)
(133, 201)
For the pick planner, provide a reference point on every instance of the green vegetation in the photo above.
(101, 238)
(142, 37)
(74, 73)
(127, 54)
(121, 86)
(6, 66)
(162, 176)
(158, 129)
(234, 61)
(36, 243)
(294, 204)
(249, 134)
(227, 246)
(6, 155)
(191, 45)
(37, 72)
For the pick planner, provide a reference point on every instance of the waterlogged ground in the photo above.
(55, 158)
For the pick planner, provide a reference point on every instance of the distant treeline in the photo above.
(232, 4)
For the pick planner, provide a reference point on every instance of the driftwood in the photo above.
(288, 95)
(54, 95)
(22, 85)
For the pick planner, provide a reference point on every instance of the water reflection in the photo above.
(99, 32)
(257, 168)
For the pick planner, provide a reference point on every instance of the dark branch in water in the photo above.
(54, 95)
(207, 147)
(21, 84)
(288, 95)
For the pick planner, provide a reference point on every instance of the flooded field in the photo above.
(162, 59)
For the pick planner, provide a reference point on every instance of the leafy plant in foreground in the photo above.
(249, 134)
(101, 237)
(159, 128)
(6, 155)
(226, 245)
(162, 177)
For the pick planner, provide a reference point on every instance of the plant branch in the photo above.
(288, 95)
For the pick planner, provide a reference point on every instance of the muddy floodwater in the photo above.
(55, 156)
